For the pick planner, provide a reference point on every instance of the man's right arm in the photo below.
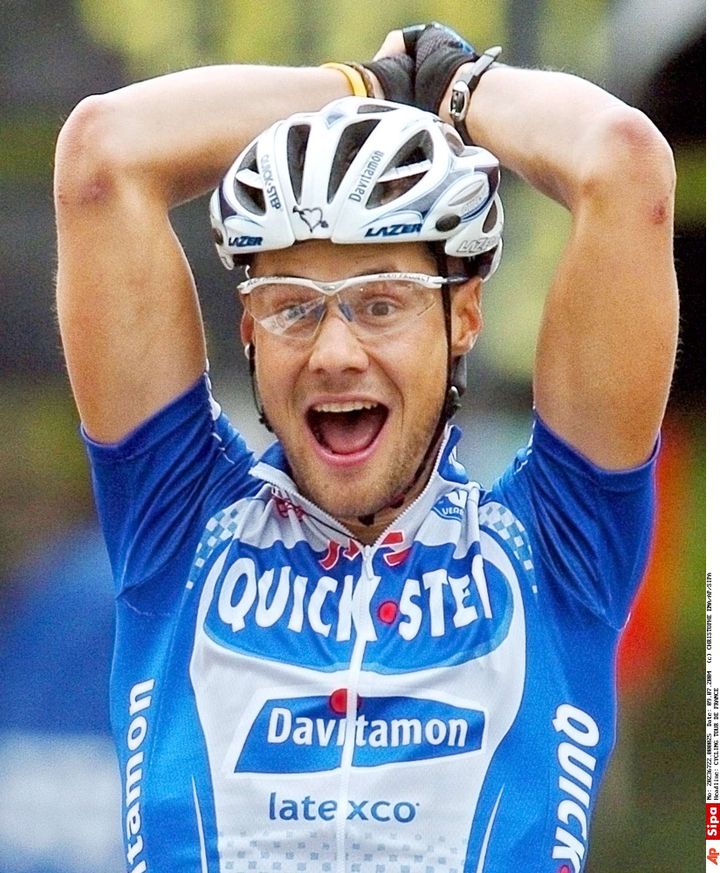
(128, 312)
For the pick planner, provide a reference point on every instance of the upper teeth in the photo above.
(344, 406)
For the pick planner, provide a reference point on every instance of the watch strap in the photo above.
(465, 85)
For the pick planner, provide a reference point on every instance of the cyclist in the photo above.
(344, 655)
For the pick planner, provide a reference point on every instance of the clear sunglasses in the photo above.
(372, 305)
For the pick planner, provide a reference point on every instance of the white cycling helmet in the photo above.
(361, 171)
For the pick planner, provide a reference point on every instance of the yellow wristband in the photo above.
(353, 76)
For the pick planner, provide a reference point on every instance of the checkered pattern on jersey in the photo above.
(501, 520)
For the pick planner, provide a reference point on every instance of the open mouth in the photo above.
(347, 427)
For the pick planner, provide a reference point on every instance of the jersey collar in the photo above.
(273, 468)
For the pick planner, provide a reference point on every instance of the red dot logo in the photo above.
(338, 701)
(387, 611)
(564, 869)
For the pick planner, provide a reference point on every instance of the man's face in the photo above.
(355, 417)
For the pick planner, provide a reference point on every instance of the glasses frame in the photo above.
(334, 288)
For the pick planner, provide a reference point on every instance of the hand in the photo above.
(394, 69)
(429, 55)
(416, 64)
(439, 53)
(405, 41)
(393, 44)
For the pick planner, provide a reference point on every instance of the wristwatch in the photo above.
(464, 86)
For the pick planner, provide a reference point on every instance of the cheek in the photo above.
(275, 371)
(418, 369)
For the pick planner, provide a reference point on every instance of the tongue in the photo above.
(347, 432)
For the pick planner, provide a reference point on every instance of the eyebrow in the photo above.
(384, 268)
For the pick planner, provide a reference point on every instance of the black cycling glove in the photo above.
(438, 53)
(395, 74)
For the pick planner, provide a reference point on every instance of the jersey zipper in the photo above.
(354, 671)
(364, 586)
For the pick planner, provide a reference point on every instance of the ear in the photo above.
(247, 329)
(466, 316)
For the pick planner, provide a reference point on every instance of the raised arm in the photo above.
(606, 349)
(128, 311)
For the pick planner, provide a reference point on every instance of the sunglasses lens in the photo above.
(372, 306)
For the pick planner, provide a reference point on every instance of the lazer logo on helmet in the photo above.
(241, 242)
(268, 182)
(393, 230)
(475, 246)
(304, 735)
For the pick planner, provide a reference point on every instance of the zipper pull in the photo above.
(367, 585)
(367, 553)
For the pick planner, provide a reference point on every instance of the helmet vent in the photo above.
(297, 141)
(248, 186)
(366, 108)
(352, 139)
(484, 263)
(407, 168)
(490, 218)
(493, 176)
(453, 140)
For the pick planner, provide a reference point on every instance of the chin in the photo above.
(348, 496)
(365, 486)
(339, 504)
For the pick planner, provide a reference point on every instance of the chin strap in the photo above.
(250, 355)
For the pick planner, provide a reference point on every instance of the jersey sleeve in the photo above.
(590, 529)
(156, 488)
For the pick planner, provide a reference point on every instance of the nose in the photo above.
(335, 346)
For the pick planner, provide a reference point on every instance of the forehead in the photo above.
(322, 259)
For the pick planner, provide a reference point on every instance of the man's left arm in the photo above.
(606, 349)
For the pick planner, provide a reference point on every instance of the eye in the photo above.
(381, 308)
(298, 313)
(279, 299)
(289, 302)
(378, 301)
(292, 311)
(291, 315)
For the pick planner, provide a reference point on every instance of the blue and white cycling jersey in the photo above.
(287, 699)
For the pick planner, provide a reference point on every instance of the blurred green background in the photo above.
(649, 52)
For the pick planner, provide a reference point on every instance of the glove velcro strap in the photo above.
(439, 52)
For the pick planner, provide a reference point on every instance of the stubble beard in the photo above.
(354, 496)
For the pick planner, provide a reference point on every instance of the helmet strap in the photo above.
(250, 355)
